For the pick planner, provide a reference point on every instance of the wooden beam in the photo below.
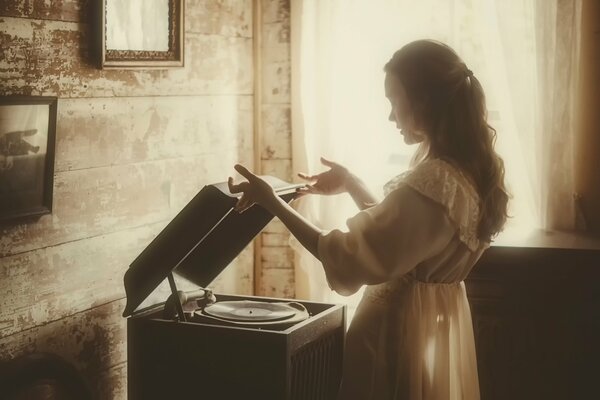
(257, 57)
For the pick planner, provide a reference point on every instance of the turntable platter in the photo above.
(247, 310)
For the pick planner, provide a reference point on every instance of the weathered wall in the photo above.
(132, 148)
(275, 277)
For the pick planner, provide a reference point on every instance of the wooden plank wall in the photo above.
(276, 275)
(132, 148)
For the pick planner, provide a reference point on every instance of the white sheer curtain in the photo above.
(524, 52)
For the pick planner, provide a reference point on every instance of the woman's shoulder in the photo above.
(444, 183)
(444, 170)
(438, 173)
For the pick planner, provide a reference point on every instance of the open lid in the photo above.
(200, 241)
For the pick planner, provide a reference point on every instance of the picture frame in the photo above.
(142, 34)
(27, 142)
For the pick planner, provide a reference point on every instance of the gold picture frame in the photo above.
(142, 34)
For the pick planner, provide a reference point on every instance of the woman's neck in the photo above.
(420, 154)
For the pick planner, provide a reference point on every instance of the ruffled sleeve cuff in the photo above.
(337, 279)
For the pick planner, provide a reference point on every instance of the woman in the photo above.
(412, 335)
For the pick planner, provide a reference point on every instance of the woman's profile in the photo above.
(412, 335)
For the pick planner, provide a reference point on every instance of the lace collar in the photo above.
(445, 184)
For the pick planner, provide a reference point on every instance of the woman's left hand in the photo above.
(255, 190)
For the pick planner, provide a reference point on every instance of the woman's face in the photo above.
(401, 112)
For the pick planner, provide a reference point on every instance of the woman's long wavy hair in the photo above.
(449, 105)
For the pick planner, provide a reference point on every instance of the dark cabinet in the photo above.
(536, 318)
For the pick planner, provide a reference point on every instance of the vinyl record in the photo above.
(248, 310)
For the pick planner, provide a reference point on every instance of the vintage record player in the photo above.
(200, 345)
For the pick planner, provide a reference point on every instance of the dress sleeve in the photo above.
(384, 241)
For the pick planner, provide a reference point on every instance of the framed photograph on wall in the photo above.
(142, 33)
(27, 136)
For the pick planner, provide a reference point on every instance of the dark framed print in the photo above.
(27, 137)
(142, 33)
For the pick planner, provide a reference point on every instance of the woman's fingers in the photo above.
(240, 208)
(236, 188)
(308, 189)
(242, 186)
(232, 188)
(243, 204)
(244, 172)
(307, 177)
(254, 190)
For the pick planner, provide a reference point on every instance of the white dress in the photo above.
(412, 335)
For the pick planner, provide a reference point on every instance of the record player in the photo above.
(201, 344)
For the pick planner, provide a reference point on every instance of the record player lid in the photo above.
(200, 241)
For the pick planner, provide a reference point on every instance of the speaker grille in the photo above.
(316, 369)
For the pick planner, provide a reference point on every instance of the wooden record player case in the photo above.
(194, 359)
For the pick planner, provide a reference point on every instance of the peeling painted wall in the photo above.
(276, 275)
(132, 149)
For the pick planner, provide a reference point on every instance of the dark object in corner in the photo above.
(42, 376)
(535, 306)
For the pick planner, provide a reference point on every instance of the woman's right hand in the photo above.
(330, 182)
